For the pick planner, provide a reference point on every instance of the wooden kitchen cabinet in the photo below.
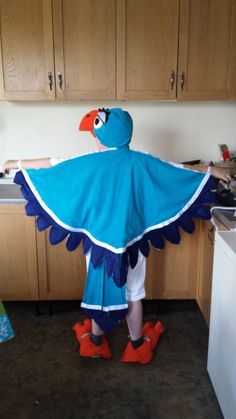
(147, 47)
(18, 257)
(61, 273)
(32, 269)
(175, 268)
(84, 42)
(205, 266)
(26, 45)
(57, 49)
(117, 49)
(176, 49)
(207, 50)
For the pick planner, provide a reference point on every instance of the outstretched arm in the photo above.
(26, 164)
(217, 172)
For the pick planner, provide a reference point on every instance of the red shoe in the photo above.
(153, 332)
(83, 329)
(144, 353)
(87, 347)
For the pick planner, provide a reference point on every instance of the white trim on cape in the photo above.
(101, 308)
(105, 245)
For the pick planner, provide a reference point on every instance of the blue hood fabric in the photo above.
(118, 129)
(116, 203)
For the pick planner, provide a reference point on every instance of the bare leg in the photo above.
(96, 329)
(135, 319)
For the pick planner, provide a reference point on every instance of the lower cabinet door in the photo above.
(61, 273)
(206, 250)
(18, 256)
(172, 271)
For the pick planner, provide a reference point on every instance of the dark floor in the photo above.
(43, 376)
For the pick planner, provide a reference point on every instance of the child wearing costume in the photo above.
(117, 203)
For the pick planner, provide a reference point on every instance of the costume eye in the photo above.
(98, 122)
(102, 115)
(100, 119)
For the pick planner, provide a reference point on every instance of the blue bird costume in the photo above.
(116, 203)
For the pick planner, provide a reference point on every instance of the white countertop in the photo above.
(10, 192)
(6, 180)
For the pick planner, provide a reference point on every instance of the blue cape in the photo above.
(116, 202)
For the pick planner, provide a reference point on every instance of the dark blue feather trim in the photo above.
(172, 234)
(143, 247)
(87, 244)
(57, 234)
(117, 264)
(133, 255)
(74, 241)
(106, 320)
(186, 223)
(97, 255)
(43, 222)
(156, 238)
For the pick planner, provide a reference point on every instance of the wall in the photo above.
(172, 130)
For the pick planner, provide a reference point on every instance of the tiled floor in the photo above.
(43, 376)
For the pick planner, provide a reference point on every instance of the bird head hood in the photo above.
(113, 127)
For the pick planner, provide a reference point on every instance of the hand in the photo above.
(220, 173)
(9, 165)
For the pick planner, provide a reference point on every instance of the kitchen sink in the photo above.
(10, 193)
(226, 216)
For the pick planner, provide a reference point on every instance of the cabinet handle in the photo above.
(211, 235)
(172, 79)
(182, 80)
(50, 80)
(60, 79)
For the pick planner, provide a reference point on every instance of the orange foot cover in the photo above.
(87, 348)
(144, 353)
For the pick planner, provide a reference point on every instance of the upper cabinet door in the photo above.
(207, 50)
(147, 46)
(84, 40)
(26, 56)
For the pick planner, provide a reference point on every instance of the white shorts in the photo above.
(135, 289)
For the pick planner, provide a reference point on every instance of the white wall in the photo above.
(172, 130)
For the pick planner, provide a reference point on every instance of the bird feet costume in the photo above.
(116, 203)
(87, 347)
(143, 354)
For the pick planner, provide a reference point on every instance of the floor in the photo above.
(43, 376)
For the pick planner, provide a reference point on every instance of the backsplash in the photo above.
(175, 131)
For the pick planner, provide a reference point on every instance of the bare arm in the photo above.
(217, 172)
(26, 164)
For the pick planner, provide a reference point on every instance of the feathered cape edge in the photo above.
(117, 262)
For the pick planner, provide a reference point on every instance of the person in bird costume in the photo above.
(117, 203)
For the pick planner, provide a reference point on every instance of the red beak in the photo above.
(87, 123)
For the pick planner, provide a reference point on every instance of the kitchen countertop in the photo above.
(6, 181)
(10, 192)
(221, 223)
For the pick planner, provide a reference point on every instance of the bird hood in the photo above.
(113, 127)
